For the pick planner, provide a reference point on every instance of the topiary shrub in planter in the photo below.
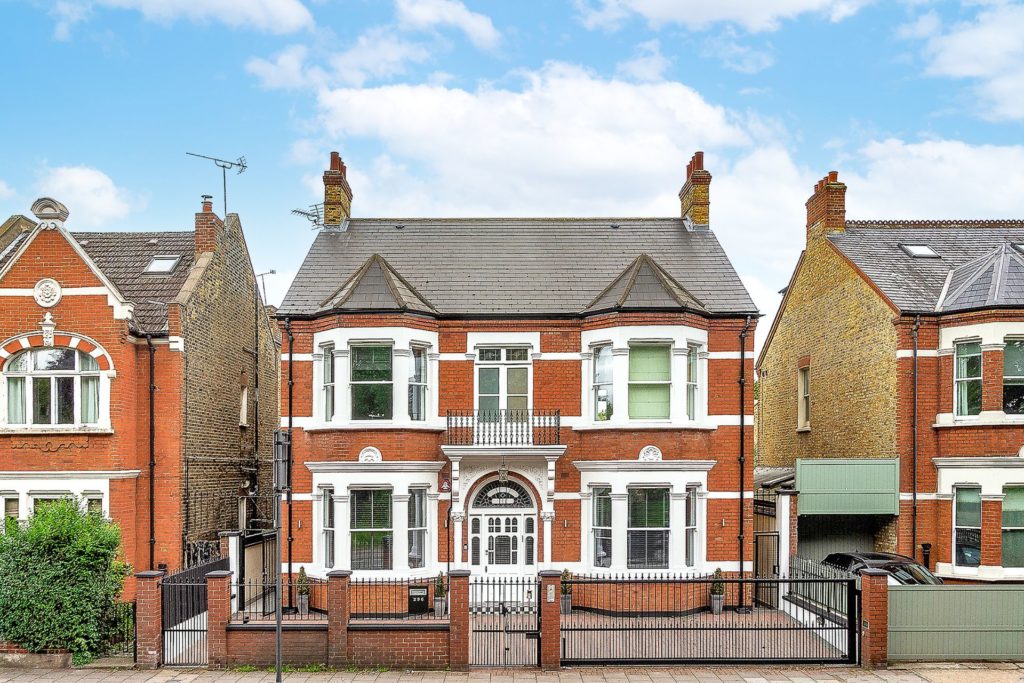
(59, 580)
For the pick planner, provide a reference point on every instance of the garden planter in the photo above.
(303, 605)
(716, 603)
(440, 607)
(566, 604)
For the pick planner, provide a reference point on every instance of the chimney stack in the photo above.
(209, 226)
(337, 194)
(826, 208)
(695, 198)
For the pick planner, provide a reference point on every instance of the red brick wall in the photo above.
(255, 645)
(413, 648)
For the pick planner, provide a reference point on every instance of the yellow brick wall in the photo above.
(836, 318)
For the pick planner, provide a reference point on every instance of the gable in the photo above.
(48, 254)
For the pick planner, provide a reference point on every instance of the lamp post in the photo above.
(282, 458)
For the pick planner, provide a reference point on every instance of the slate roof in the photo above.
(644, 285)
(376, 286)
(917, 284)
(996, 279)
(123, 257)
(519, 266)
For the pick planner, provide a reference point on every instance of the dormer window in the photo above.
(919, 251)
(162, 265)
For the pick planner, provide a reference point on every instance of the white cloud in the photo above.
(377, 53)
(428, 14)
(753, 15)
(90, 195)
(989, 50)
(735, 55)
(287, 70)
(646, 65)
(6, 191)
(271, 16)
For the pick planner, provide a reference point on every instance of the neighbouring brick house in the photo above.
(893, 379)
(509, 394)
(86, 315)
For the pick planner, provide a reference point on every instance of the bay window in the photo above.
(601, 526)
(327, 518)
(52, 386)
(647, 530)
(690, 532)
(692, 380)
(372, 388)
(94, 505)
(650, 382)
(328, 351)
(967, 526)
(602, 385)
(1013, 526)
(10, 510)
(1013, 377)
(968, 378)
(417, 528)
(372, 534)
(418, 384)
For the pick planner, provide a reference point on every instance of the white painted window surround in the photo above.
(991, 335)
(402, 340)
(680, 477)
(401, 477)
(682, 341)
(28, 487)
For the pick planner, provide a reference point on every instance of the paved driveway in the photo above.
(935, 673)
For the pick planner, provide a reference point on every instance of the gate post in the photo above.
(148, 619)
(458, 619)
(550, 619)
(874, 601)
(218, 603)
(338, 608)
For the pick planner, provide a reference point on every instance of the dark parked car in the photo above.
(902, 569)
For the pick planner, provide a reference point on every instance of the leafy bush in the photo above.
(59, 580)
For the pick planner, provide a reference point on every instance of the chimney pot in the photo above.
(207, 203)
(698, 161)
(336, 164)
(826, 208)
(833, 176)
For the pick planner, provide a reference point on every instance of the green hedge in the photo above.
(59, 580)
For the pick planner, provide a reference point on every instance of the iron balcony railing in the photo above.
(510, 427)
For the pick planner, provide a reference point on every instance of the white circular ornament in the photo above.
(47, 293)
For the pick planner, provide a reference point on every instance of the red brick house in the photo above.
(893, 379)
(132, 369)
(511, 394)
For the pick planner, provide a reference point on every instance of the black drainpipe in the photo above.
(291, 341)
(743, 456)
(913, 462)
(152, 455)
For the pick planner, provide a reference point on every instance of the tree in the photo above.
(60, 579)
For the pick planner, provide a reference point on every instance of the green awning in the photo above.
(848, 486)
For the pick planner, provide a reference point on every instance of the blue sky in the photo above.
(572, 107)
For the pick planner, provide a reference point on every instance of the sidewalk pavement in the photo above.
(935, 673)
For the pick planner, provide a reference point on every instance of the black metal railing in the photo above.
(255, 601)
(705, 619)
(399, 599)
(119, 630)
(513, 427)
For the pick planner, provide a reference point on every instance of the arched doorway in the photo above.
(503, 529)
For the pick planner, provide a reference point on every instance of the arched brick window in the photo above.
(52, 386)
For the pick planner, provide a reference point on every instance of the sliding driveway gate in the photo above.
(662, 620)
(184, 614)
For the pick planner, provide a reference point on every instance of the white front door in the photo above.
(503, 542)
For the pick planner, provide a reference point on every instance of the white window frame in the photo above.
(328, 526)
(595, 528)
(666, 530)
(418, 492)
(693, 380)
(1012, 529)
(959, 381)
(608, 383)
(28, 378)
(803, 408)
(353, 383)
(353, 530)
(328, 382)
(956, 491)
(423, 385)
(243, 409)
(503, 365)
(691, 526)
(89, 499)
(668, 346)
(1014, 379)
(4, 498)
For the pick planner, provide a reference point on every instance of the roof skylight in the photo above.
(161, 265)
(919, 251)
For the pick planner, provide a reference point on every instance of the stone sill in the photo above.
(641, 426)
(982, 422)
(373, 426)
(985, 573)
(803, 430)
(50, 431)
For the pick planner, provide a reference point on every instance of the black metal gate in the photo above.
(257, 572)
(504, 621)
(766, 566)
(184, 619)
(703, 620)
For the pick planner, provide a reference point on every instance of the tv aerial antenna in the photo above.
(223, 164)
(314, 214)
